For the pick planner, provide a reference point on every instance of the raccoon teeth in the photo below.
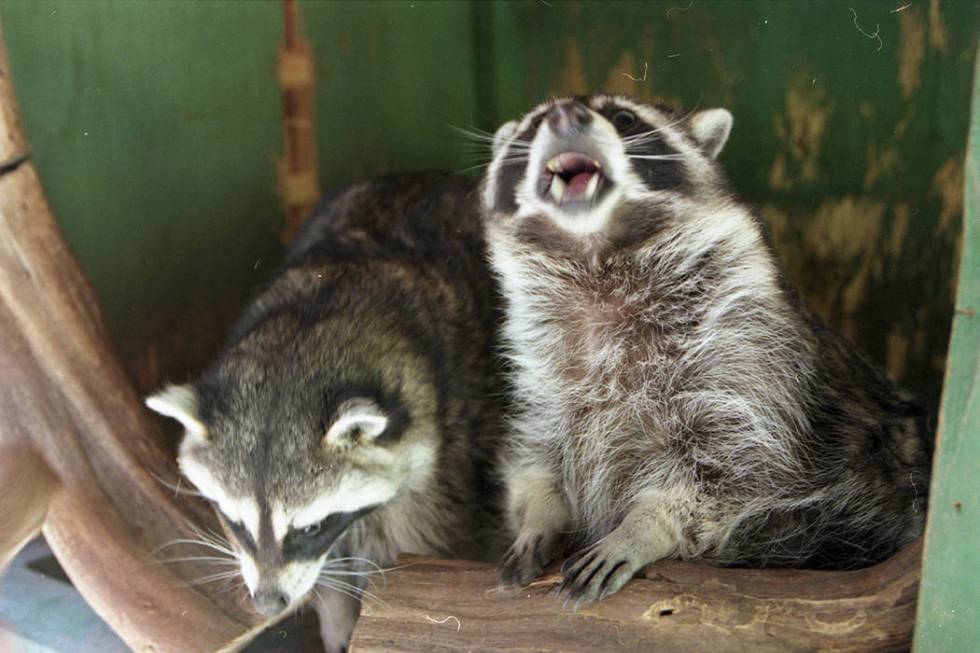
(554, 165)
(593, 185)
(557, 188)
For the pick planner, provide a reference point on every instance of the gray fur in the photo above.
(676, 398)
(362, 376)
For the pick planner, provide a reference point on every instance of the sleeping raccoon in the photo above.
(353, 411)
(677, 399)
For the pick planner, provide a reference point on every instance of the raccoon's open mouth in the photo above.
(572, 180)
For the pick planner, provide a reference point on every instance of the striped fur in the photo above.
(675, 396)
(353, 412)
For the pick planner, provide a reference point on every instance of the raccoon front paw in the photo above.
(596, 572)
(526, 558)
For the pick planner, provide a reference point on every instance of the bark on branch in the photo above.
(433, 605)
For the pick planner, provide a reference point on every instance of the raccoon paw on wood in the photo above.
(527, 558)
(597, 571)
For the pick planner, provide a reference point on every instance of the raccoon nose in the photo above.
(269, 603)
(569, 118)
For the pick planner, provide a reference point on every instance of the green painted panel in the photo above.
(851, 147)
(156, 126)
(949, 601)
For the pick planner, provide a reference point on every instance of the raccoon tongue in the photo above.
(577, 188)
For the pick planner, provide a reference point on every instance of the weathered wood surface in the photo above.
(438, 605)
(68, 411)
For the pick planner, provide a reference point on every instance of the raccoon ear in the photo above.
(357, 420)
(181, 403)
(503, 133)
(710, 129)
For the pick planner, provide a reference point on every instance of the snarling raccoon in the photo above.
(677, 399)
(353, 412)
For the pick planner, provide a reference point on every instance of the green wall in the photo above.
(854, 154)
(156, 126)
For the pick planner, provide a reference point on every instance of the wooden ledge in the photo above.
(444, 605)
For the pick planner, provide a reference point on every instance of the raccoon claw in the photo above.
(593, 574)
(525, 560)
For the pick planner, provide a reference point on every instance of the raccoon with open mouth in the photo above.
(676, 397)
(353, 413)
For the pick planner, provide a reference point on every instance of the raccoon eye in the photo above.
(623, 119)
(313, 529)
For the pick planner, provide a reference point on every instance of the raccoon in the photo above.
(354, 410)
(675, 396)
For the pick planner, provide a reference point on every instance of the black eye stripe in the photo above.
(528, 134)
(240, 532)
(625, 120)
(297, 544)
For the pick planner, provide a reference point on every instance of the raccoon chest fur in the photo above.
(674, 395)
(602, 363)
(603, 336)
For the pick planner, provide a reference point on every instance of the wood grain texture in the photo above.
(439, 605)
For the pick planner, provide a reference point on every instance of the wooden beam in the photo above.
(299, 178)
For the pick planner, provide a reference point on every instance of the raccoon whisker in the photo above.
(343, 586)
(216, 543)
(477, 135)
(177, 489)
(645, 137)
(657, 157)
(347, 590)
(485, 148)
(480, 135)
(234, 586)
(203, 543)
(472, 132)
(373, 597)
(366, 561)
(366, 575)
(383, 571)
(212, 578)
(207, 535)
(339, 561)
(460, 171)
(684, 116)
(212, 559)
(511, 159)
(368, 581)
(218, 539)
(484, 165)
(323, 603)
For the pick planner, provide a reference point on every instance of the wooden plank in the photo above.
(949, 612)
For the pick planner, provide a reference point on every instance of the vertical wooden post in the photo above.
(299, 182)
